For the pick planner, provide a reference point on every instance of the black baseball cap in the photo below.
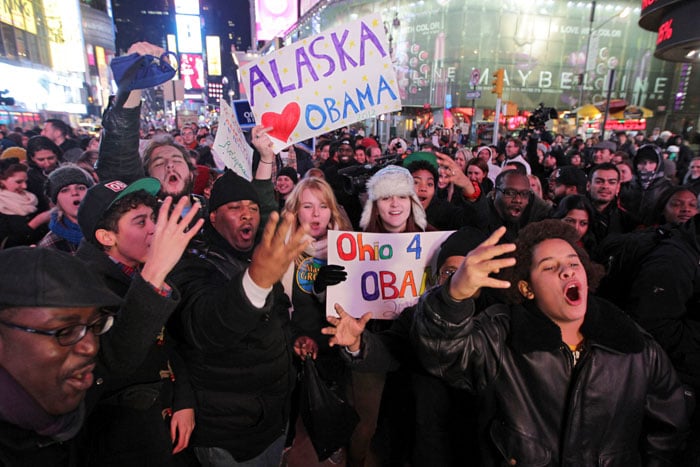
(102, 196)
(572, 176)
(44, 277)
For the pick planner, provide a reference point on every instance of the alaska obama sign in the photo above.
(321, 83)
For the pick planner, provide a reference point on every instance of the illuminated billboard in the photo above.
(187, 7)
(306, 5)
(192, 71)
(189, 33)
(65, 33)
(213, 55)
(273, 17)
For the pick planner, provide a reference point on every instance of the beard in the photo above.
(186, 191)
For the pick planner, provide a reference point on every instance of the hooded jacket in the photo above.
(641, 198)
(620, 405)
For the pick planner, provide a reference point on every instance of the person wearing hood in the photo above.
(487, 154)
(648, 184)
(43, 157)
(665, 300)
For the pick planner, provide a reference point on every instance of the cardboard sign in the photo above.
(386, 272)
(324, 82)
(230, 145)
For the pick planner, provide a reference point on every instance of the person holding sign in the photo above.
(444, 416)
(313, 205)
(563, 377)
(392, 207)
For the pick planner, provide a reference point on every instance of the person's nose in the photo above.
(88, 345)
(151, 226)
(567, 272)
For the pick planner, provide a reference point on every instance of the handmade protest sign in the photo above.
(386, 272)
(324, 82)
(230, 145)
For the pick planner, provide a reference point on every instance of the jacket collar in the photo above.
(604, 326)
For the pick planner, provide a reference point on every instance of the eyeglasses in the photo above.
(70, 334)
(513, 193)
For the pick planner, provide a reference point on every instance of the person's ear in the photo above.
(525, 290)
(212, 218)
(106, 238)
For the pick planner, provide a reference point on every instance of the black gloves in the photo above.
(330, 274)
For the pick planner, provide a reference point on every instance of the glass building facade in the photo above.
(440, 46)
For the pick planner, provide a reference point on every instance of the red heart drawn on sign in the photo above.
(282, 124)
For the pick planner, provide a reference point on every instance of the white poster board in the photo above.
(386, 272)
(321, 83)
(230, 145)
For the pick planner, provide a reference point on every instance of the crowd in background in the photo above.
(188, 251)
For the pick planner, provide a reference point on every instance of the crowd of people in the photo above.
(155, 308)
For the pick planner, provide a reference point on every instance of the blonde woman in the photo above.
(313, 204)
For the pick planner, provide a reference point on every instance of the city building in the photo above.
(562, 54)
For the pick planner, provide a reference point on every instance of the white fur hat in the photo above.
(392, 180)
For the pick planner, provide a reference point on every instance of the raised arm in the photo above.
(119, 157)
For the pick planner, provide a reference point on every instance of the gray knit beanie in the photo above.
(67, 174)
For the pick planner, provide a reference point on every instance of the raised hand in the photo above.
(141, 48)
(476, 269)
(277, 249)
(345, 329)
(453, 172)
(169, 240)
(263, 143)
(145, 48)
(330, 274)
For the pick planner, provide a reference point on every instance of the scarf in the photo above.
(15, 204)
(20, 409)
(65, 228)
(647, 178)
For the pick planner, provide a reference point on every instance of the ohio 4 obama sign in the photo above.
(386, 272)
(324, 82)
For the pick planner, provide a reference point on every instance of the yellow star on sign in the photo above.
(285, 70)
(364, 78)
(351, 44)
(375, 23)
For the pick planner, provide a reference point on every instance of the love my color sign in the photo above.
(324, 82)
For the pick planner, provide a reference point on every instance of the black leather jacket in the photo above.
(620, 405)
